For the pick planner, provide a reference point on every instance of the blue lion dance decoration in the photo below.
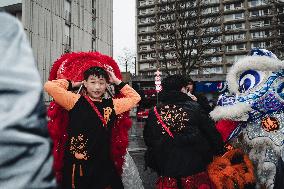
(256, 101)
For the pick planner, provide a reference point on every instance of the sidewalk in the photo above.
(137, 149)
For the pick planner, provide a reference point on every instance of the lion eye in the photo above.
(249, 79)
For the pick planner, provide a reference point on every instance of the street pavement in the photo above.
(137, 149)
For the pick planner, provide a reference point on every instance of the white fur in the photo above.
(236, 112)
(261, 142)
(257, 152)
(260, 63)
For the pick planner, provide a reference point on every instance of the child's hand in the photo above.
(112, 77)
(76, 83)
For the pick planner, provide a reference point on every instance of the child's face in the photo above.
(96, 86)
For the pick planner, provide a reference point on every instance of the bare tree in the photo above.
(277, 21)
(127, 59)
(185, 31)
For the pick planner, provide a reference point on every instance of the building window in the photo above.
(142, 29)
(255, 13)
(173, 72)
(238, 5)
(142, 12)
(260, 34)
(234, 26)
(235, 37)
(143, 38)
(142, 20)
(232, 59)
(259, 45)
(216, 59)
(228, 27)
(254, 3)
(151, 65)
(143, 47)
(230, 48)
(193, 72)
(173, 63)
(228, 7)
(241, 47)
(239, 15)
(214, 70)
(141, 3)
(144, 56)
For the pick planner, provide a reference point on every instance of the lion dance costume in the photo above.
(71, 66)
(251, 115)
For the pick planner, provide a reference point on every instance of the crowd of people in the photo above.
(90, 124)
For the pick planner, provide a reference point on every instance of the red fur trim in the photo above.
(57, 127)
(71, 66)
(119, 140)
(74, 64)
(226, 127)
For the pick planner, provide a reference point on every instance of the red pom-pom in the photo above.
(226, 127)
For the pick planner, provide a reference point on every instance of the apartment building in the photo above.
(242, 25)
(59, 26)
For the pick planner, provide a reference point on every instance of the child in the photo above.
(87, 161)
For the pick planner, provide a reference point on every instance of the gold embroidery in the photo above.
(270, 124)
(107, 113)
(175, 117)
(78, 147)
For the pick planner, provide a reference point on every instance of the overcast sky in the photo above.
(123, 26)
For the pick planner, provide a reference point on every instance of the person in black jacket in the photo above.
(181, 139)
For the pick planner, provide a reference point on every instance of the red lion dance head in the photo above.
(72, 66)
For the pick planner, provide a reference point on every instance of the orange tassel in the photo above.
(73, 175)
(81, 171)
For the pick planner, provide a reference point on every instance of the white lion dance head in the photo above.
(255, 107)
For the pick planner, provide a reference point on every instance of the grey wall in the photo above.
(104, 26)
(44, 23)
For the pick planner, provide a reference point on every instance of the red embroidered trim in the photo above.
(162, 122)
(96, 110)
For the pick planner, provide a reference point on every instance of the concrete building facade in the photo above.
(244, 24)
(55, 27)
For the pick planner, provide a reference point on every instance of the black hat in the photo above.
(174, 83)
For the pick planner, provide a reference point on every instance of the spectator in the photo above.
(200, 99)
(181, 140)
(25, 155)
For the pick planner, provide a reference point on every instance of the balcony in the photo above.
(94, 12)
(236, 52)
(146, 5)
(254, 4)
(67, 18)
(94, 33)
(67, 44)
(231, 1)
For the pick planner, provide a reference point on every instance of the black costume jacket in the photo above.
(195, 140)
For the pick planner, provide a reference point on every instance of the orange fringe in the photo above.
(73, 176)
(81, 171)
(225, 175)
